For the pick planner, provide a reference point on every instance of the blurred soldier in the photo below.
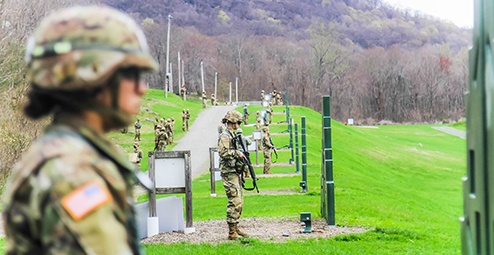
(162, 139)
(213, 100)
(231, 169)
(262, 96)
(258, 115)
(184, 117)
(258, 124)
(204, 99)
(244, 142)
(187, 117)
(270, 112)
(156, 122)
(169, 131)
(273, 97)
(137, 127)
(137, 156)
(71, 193)
(267, 148)
(246, 114)
(183, 91)
(156, 135)
(278, 99)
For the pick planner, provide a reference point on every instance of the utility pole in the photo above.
(236, 90)
(179, 72)
(202, 76)
(230, 98)
(216, 85)
(167, 80)
(170, 76)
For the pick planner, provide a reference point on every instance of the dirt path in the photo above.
(202, 135)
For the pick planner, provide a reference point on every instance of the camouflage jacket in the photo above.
(228, 154)
(71, 193)
(266, 143)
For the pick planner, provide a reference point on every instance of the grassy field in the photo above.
(400, 182)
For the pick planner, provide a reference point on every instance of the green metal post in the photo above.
(477, 228)
(327, 182)
(297, 161)
(290, 130)
(303, 183)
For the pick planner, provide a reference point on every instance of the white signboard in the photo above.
(257, 134)
(252, 146)
(169, 172)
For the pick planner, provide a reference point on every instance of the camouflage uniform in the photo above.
(187, 120)
(137, 126)
(231, 169)
(204, 99)
(243, 142)
(267, 148)
(162, 139)
(138, 156)
(213, 100)
(184, 118)
(270, 112)
(246, 115)
(71, 193)
(169, 131)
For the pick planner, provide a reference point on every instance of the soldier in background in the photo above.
(213, 100)
(137, 156)
(184, 117)
(267, 148)
(273, 97)
(231, 169)
(269, 111)
(169, 131)
(72, 191)
(204, 99)
(246, 114)
(183, 91)
(187, 117)
(262, 96)
(162, 140)
(278, 99)
(137, 127)
(156, 123)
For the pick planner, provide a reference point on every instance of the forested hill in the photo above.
(366, 23)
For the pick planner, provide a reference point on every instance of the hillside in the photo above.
(365, 23)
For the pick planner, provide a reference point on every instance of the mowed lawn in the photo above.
(400, 182)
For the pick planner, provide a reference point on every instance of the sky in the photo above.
(459, 12)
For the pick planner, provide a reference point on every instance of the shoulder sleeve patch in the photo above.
(84, 200)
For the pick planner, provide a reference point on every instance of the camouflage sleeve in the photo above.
(225, 148)
(266, 143)
(71, 211)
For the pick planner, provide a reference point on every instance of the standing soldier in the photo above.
(213, 100)
(231, 170)
(72, 191)
(184, 117)
(162, 139)
(270, 112)
(273, 96)
(187, 117)
(258, 124)
(137, 156)
(156, 135)
(137, 127)
(183, 91)
(278, 99)
(204, 99)
(262, 96)
(267, 148)
(246, 114)
(156, 123)
(169, 131)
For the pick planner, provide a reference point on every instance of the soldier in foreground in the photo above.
(72, 191)
(231, 171)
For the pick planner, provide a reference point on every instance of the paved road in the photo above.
(202, 135)
(452, 131)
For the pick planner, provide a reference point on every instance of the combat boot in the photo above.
(232, 234)
(240, 232)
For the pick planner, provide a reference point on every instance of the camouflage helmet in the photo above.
(82, 47)
(265, 129)
(239, 131)
(136, 144)
(233, 116)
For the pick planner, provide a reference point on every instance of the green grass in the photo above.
(401, 182)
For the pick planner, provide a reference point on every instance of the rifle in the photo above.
(274, 150)
(246, 162)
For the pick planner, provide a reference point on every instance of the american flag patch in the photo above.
(84, 200)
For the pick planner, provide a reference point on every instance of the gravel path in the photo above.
(452, 131)
(265, 229)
